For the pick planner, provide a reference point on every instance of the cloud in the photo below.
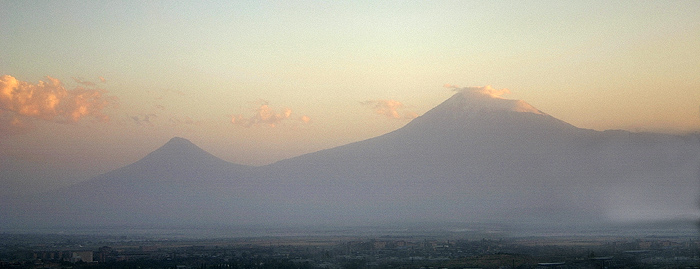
(150, 119)
(84, 83)
(410, 115)
(265, 115)
(451, 86)
(485, 90)
(23, 102)
(11, 124)
(144, 119)
(389, 108)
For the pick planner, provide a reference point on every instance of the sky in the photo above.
(90, 86)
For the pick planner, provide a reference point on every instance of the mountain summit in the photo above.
(482, 110)
(475, 99)
(179, 152)
(178, 143)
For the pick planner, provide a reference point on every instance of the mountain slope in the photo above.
(178, 183)
(475, 157)
(479, 157)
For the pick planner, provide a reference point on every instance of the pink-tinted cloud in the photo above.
(389, 108)
(23, 102)
(265, 115)
(451, 86)
(11, 124)
(410, 115)
(485, 90)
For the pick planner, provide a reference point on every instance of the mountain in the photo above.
(179, 183)
(475, 157)
(482, 158)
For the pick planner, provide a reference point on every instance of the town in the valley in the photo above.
(398, 250)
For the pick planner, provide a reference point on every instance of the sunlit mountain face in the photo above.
(474, 158)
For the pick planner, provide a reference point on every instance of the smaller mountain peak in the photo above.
(179, 144)
(178, 141)
(178, 151)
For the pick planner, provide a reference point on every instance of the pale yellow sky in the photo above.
(316, 70)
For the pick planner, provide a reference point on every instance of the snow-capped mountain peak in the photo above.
(486, 98)
(483, 108)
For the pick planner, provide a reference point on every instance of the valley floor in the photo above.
(349, 249)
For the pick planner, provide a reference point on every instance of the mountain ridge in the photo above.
(475, 157)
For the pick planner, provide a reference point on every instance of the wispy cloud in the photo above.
(152, 119)
(22, 102)
(83, 82)
(143, 119)
(266, 116)
(389, 108)
(484, 90)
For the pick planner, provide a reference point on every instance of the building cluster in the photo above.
(69, 256)
(358, 253)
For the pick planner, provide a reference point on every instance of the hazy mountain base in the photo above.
(472, 159)
(688, 228)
